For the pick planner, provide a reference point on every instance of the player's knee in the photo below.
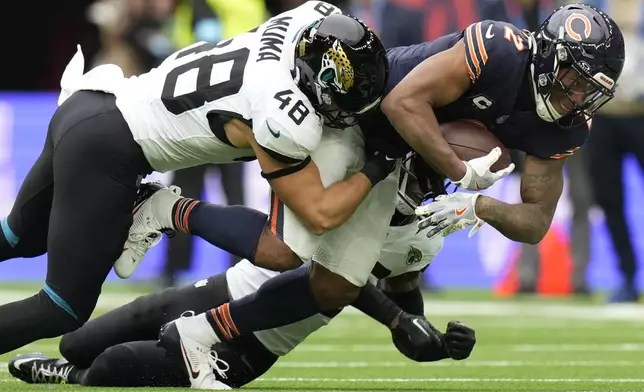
(61, 318)
(106, 368)
(273, 254)
(71, 348)
(331, 290)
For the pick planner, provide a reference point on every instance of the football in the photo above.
(471, 139)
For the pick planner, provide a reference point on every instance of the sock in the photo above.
(181, 213)
(282, 300)
(235, 229)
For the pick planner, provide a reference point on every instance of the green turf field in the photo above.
(523, 345)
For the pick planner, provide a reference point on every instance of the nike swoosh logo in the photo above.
(488, 33)
(275, 134)
(477, 186)
(20, 362)
(246, 362)
(461, 211)
(193, 373)
(417, 324)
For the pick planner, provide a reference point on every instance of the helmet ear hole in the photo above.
(544, 48)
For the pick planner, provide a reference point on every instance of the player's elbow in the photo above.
(535, 237)
(539, 231)
(319, 223)
(396, 105)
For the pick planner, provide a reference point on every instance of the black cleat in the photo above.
(38, 368)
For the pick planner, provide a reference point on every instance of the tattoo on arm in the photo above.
(541, 187)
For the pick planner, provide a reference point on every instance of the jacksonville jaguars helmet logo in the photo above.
(414, 255)
(336, 68)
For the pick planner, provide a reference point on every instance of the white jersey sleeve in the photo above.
(405, 251)
(286, 124)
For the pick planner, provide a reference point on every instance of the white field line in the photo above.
(471, 363)
(468, 363)
(450, 379)
(624, 347)
(578, 347)
(542, 311)
(366, 348)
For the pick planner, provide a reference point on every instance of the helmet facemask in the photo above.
(417, 184)
(577, 57)
(570, 94)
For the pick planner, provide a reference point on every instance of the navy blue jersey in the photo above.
(500, 97)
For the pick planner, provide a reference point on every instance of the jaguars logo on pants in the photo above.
(414, 255)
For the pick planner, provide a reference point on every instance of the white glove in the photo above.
(448, 214)
(479, 176)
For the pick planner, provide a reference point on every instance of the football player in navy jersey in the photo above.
(534, 90)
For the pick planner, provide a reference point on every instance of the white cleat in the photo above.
(146, 231)
(183, 335)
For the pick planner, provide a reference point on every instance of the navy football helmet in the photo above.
(577, 58)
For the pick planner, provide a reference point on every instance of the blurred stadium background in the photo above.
(552, 342)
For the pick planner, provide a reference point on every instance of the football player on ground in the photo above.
(534, 91)
(264, 94)
(119, 348)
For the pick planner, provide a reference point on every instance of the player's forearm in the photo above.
(523, 222)
(340, 201)
(417, 124)
(375, 304)
(410, 301)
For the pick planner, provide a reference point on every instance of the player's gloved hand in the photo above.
(478, 175)
(459, 340)
(417, 339)
(448, 214)
(378, 165)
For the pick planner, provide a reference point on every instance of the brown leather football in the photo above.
(471, 139)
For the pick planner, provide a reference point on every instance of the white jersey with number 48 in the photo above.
(175, 110)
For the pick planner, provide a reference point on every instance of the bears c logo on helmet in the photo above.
(570, 28)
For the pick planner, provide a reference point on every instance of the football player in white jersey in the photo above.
(265, 93)
(119, 348)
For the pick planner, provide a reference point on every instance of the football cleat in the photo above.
(38, 368)
(146, 231)
(179, 337)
